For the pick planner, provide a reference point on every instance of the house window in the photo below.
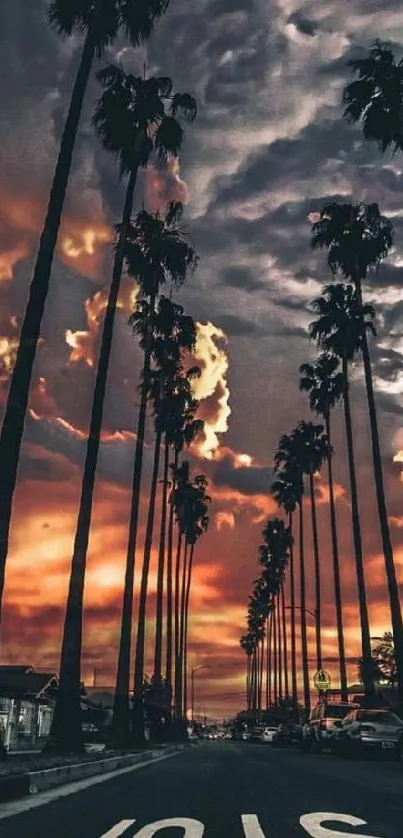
(44, 721)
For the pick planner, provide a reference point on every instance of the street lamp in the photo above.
(313, 614)
(193, 671)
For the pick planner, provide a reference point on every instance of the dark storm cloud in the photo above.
(305, 26)
(249, 481)
(241, 277)
(235, 325)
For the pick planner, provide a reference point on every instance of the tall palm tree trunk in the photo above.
(169, 667)
(247, 682)
(336, 569)
(285, 649)
(275, 670)
(293, 641)
(177, 623)
(17, 401)
(254, 674)
(72, 637)
(262, 647)
(393, 590)
(121, 705)
(186, 628)
(138, 705)
(91, 459)
(304, 643)
(160, 576)
(359, 564)
(279, 653)
(182, 629)
(269, 660)
(317, 574)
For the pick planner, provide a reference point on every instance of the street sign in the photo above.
(322, 680)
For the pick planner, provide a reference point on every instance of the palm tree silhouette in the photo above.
(286, 459)
(285, 491)
(274, 555)
(184, 430)
(167, 333)
(337, 330)
(101, 22)
(174, 333)
(197, 525)
(310, 446)
(325, 384)
(375, 98)
(177, 412)
(357, 238)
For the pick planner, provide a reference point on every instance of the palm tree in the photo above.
(274, 555)
(177, 410)
(375, 98)
(179, 500)
(312, 448)
(133, 122)
(101, 22)
(286, 494)
(325, 384)
(171, 332)
(287, 457)
(197, 525)
(383, 655)
(337, 330)
(184, 429)
(357, 238)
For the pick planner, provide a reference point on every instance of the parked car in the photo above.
(256, 734)
(324, 720)
(268, 734)
(286, 735)
(375, 731)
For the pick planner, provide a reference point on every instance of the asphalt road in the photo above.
(225, 790)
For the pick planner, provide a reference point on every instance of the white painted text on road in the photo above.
(313, 824)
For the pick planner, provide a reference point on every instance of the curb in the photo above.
(22, 785)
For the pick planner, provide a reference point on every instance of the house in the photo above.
(27, 700)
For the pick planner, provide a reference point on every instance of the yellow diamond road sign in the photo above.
(322, 680)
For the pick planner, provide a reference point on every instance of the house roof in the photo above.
(20, 682)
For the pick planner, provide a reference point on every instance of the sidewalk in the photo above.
(21, 775)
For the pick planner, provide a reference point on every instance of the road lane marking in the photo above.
(193, 829)
(313, 825)
(118, 829)
(251, 826)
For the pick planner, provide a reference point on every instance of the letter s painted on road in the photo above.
(313, 824)
(193, 829)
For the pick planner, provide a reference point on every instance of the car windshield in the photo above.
(379, 717)
(336, 711)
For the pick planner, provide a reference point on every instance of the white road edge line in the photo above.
(16, 807)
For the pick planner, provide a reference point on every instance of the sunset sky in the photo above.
(268, 148)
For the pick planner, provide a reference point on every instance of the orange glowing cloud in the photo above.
(211, 388)
(164, 185)
(80, 245)
(83, 343)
